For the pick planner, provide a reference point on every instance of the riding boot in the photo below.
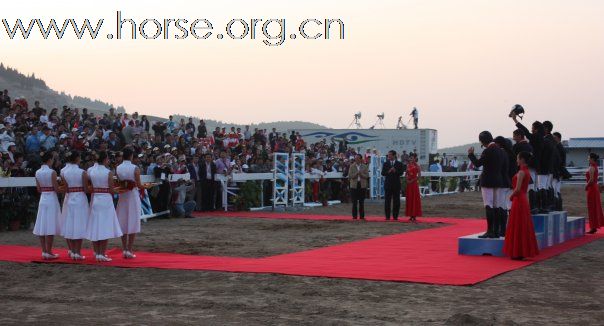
(489, 214)
(533, 201)
(560, 203)
(503, 224)
(554, 200)
(543, 201)
(496, 221)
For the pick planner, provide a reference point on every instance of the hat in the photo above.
(141, 155)
(166, 146)
(74, 129)
(155, 149)
(63, 136)
(174, 149)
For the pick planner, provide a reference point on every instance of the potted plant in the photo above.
(453, 181)
(248, 196)
(324, 197)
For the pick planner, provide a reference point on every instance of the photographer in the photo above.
(182, 207)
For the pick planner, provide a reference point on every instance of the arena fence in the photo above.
(431, 183)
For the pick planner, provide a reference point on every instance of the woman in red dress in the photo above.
(413, 204)
(594, 202)
(520, 239)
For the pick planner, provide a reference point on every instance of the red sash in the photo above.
(101, 190)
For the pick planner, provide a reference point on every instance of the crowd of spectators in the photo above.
(161, 148)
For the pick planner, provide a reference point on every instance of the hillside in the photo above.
(462, 149)
(35, 89)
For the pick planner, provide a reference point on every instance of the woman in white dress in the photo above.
(103, 224)
(129, 208)
(75, 206)
(48, 220)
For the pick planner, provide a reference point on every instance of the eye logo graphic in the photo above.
(352, 138)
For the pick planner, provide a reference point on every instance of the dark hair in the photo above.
(47, 157)
(485, 138)
(101, 156)
(525, 156)
(548, 125)
(557, 134)
(73, 157)
(519, 133)
(539, 127)
(594, 156)
(127, 153)
(393, 152)
(413, 154)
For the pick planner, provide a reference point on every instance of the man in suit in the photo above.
(540, 168)
(358, 174)
(491, 182)
(392, 170)
(562, 171)
(194, 170)
(207, 172)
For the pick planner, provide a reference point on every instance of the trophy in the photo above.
(518, 111)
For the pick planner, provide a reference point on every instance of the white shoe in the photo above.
(107, 258)
(101, 258)
(47, 256)
(129, 255)
(78, 257)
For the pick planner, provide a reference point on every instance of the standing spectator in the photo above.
(358, 174)
(392, 170)
(202, 131)
(5, 102)
(207, 173)
(47, 140)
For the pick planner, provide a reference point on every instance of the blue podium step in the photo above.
(550, 229)
(575, 227)
(472, 245)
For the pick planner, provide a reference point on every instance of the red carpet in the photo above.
(425, 256)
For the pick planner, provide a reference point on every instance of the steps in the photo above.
(551, 229)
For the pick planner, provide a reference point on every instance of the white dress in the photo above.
(129, 209)
(75, 205)
(48, 220)
(103, 223)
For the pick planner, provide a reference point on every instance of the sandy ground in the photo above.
(565, 290)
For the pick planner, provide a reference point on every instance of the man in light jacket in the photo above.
(359, 176)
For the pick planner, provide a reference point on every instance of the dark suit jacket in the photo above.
(202, 171)
(536, 141)
(551, 157)
(192, 172)
(493, 165)
(392, 180)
